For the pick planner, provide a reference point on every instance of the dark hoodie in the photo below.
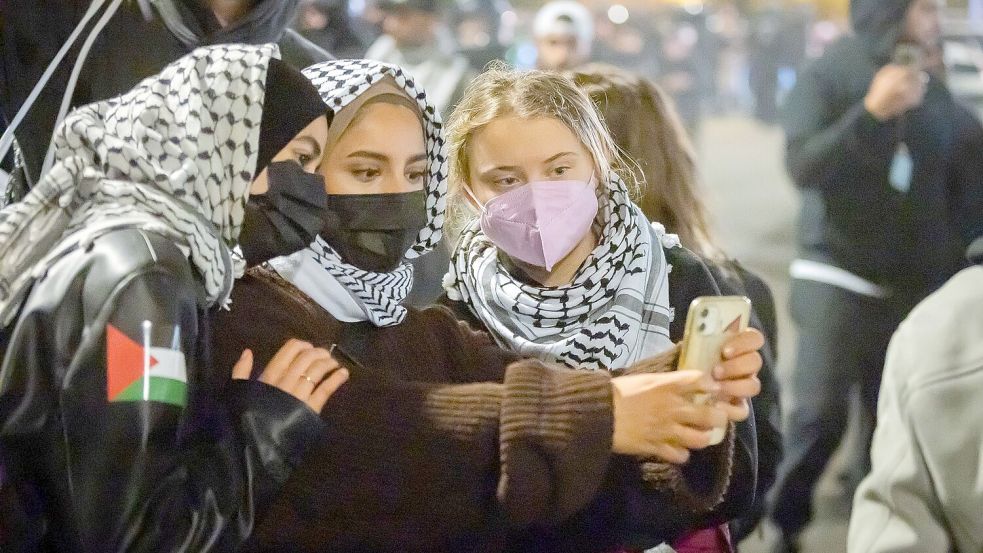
(137, 43)
(840, 155)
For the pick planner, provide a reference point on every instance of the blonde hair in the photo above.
(645, 125)
(500, 92)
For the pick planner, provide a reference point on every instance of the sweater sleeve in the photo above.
(530, 449)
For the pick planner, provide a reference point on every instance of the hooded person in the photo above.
(439, 441)
(891, 180)
(130, 41)
(109, 271)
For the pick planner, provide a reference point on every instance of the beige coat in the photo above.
(925, 492)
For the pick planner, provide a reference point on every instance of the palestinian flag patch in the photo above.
(136, 372)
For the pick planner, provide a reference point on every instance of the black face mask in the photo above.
(374, 231)
(287, 217)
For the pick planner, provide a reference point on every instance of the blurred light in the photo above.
(694, 8)
(509, 18)
(525, 55)
(618, 14)
(356, 7)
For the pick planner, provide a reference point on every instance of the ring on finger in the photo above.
(309, 379)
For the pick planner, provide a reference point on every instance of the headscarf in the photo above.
(349, 292)
(175, 155)
(615, 311)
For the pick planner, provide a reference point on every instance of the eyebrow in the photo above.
(515, 168)
(370, 155)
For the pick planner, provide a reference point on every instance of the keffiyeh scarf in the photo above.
(615, 311)
(377, 296)
(174, 155)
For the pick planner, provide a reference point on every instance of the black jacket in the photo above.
(621, 515)
(129, 49)
(81, 470)
(839, 155)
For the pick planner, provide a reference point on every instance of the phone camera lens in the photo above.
(705, 312)
(702, 327)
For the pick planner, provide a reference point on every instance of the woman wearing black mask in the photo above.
(441, 440)
(114, 432)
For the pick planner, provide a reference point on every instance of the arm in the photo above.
(173, 472)
(822, 143)
(530, 449)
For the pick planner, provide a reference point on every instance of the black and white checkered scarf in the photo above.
(175, 155)
(380, 295)
(615, 311)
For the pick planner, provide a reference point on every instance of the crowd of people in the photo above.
(275, 277)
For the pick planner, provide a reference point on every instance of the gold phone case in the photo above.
(710, 322)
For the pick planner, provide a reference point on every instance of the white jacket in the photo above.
(925, 492)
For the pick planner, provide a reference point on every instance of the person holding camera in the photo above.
(888, 165)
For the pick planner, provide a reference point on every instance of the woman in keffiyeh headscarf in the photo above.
(559, 264)
(441, 441)
(113, 434)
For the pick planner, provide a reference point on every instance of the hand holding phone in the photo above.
(711, 322)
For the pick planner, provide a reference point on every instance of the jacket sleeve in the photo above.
(177, 470)
(821, 143)
(896, 509)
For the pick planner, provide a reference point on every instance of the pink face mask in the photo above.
(540, 223)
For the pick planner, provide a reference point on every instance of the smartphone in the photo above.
(909, 55)
(711, 321)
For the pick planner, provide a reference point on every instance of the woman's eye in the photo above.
(305, 159)
(506, 181)
(560, 171)
(365, 174)
(417, 177)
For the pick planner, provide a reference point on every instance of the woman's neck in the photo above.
(565, 269)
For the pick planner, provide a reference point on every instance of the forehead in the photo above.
(520, 141)
(384, 125)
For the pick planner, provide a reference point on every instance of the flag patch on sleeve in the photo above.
(140, 372)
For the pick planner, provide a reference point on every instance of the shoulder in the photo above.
(689, 273)
(941, 339)
(300, 52)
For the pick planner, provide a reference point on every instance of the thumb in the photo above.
(243, 368)
(696, 382)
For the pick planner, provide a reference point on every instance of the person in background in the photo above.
(564, 34)
(138, 40)
(924, 494)
(595, 288)
(117, 433)
(327, 24)
(416, 38)
(888, 166)
(648, 130)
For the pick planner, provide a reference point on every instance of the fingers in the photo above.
(743, 342)
(702, 417)
(738, 411)
(691, 438)
(326, 389)
(243, 368)
(313, 375)
(745, 388)
(274, 371)
(691, 383)
(744, 366)
(671, 454)
(293, 378)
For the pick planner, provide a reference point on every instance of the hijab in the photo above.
(349, 293)
(176, 155)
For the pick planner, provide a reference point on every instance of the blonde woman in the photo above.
(558, 263)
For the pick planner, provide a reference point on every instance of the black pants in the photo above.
(843, 338)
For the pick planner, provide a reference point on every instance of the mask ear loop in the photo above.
(470, 193)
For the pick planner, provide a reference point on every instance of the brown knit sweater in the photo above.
(439, 441)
